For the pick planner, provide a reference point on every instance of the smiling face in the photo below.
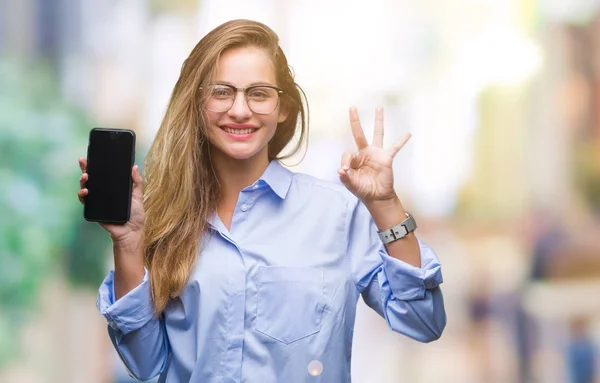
(239, 133)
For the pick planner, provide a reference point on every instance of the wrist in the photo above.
(128, 255)
(392, 202)
(386, 213)
(399, 231)
(127, 243)
(129, 264)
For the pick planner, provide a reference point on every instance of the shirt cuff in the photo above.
(129, 313)
(408, 282)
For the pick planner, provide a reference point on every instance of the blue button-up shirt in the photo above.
(274, 298)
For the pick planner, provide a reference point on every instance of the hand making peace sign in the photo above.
(368, 173)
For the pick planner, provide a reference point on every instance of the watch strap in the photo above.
(399, 231)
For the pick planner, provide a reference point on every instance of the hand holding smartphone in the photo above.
(110, 188)
(110, 158)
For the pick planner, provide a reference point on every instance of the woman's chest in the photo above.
(230, 263)
(270, 295)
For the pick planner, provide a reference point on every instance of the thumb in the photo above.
(137, 181)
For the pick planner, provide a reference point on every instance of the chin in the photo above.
(240, 151)
(242, 154)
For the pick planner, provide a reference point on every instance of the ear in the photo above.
(284, 112)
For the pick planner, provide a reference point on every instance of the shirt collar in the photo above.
(278, 178)
(275, 176)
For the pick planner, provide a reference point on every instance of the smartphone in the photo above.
(110, 158)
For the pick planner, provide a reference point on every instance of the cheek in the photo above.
(273, 125)
(211, 121)
(211, 118)
(211, 127)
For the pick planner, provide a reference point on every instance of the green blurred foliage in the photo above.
(42, 231)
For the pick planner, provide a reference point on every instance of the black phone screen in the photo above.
(111, 154)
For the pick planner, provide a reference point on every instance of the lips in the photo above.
(239, 132)
(239, 129)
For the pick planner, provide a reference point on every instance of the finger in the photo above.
(399, 144)
(346, 157)
(135, 175)
(351, 161)
(82, 180)
(344, 177)
(347, 173)
(137, 180)
(82, 164)
(378, 131)
(357, 130)
(81, 195)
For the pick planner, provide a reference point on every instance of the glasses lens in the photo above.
(262, 100)
(220, 98)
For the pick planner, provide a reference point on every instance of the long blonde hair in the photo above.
(181, 191)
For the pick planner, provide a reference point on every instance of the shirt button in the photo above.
(244, 207)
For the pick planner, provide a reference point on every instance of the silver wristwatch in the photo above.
(398, 231)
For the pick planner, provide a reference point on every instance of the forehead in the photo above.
(244, 66)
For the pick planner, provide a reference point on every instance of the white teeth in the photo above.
(239, 131)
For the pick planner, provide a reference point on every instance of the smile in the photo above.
(239, 131)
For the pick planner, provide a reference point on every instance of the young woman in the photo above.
(234, 269)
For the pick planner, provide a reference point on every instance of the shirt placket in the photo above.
(237, 305)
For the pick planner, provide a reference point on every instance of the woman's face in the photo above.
(240, 133)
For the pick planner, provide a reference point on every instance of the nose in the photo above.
(240, 109)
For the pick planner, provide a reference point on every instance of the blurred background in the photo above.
(503, 171)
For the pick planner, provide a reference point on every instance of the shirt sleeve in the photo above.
(138, 336)
(408, 297)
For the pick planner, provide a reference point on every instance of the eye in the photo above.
(259, 94)
(221, 92)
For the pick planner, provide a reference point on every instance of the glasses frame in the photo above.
(245, 90)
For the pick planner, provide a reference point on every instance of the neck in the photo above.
(235, 175)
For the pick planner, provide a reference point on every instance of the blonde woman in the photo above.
(234, 269)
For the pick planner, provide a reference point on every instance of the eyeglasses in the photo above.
(261, 99)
